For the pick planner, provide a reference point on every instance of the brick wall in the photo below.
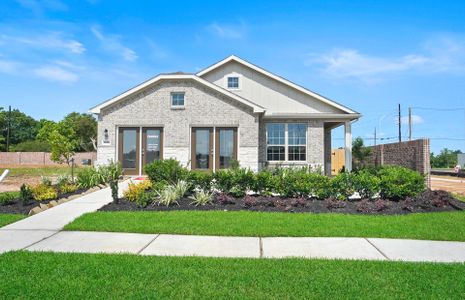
(414, 155)
(39, 158)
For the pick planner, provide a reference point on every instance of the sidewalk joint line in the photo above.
(148, 244)
(382, 253)
(260, 243)
(36, 242)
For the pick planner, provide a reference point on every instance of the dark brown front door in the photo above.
(202, 148)
(128, 141)
(152, 144)
(226, 147)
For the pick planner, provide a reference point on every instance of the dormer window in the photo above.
(233, 82)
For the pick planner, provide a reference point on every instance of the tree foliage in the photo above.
(445, 159)
(359, 153)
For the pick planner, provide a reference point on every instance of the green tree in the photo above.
(85, 129)
(62, 140)
(23, 127)
(359, 153)
(445, 159)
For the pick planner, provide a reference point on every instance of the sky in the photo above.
(62, 56)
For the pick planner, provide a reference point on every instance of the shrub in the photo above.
(234, 181)
(67, 188)
(265, 182)
(136, 190)
(8, 197)
(145, 198)
(45, 180)
(167, 170)
(366, 184)
(181, 188)
(202, 198)
(25, 194)
(201, 180)
(342, 186)
(89, 177)
(64, 179)
(398, 182)
(111, 173)
(223, 199)
(319, 185)
(168, 196)
(42, 192)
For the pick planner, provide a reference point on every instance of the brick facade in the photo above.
(414, 155)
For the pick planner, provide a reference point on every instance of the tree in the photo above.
(85, 128)
(23, 127)
(61, 139)
(445, 159)
(360, 153)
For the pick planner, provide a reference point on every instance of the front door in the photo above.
(152, 144)
(202, 148)
(129, 150)
(226, 147)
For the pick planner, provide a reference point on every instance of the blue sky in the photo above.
(62, 56)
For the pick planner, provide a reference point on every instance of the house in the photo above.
(232, 110)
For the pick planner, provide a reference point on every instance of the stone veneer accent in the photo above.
(203, 107)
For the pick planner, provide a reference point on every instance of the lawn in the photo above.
(6, 219)
(40, 171)
(128, 276)
(432, 226)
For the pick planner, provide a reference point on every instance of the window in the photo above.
(177, 100)
(233, 82)
(286, 141)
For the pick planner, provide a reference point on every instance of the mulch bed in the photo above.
(428, 201)
(18, 208)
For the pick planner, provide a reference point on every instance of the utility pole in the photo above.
(400, 126)
(374, 138)
(8, 130)
(409, 123)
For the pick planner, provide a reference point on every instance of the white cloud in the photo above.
(228, 31)
(53, 40)
(56, 73)
(9, 66)
(112, 43)
(440, 55)
(416, 119)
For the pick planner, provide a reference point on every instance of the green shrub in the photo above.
(167, 170)
(181, 187)
(202, 198)
(398, 182)
(234, 181)
(201, 180)
(45, 180)
(319, 185)
(366, 183)
(110, 174)
(265, 182)
(8, 197)
(25, 194)
(342, 186)
(42, 192)
(89, 177)
(64, 179)
(145, 198)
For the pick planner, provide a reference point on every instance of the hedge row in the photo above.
(390, 182)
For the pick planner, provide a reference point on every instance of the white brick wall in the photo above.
(179, 153)
(248, 157)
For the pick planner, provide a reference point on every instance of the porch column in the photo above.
(348, 145)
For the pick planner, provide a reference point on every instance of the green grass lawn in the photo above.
(433, 226)
(6, 219)
(84, 276)
(42, 171)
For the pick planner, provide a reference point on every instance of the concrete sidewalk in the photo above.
(42, 232)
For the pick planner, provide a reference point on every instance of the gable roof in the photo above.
(178, 75)
(277, 78)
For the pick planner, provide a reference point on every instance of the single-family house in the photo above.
(232, 110)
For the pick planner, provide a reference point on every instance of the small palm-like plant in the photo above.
(111, 173)
(181, 188)
(202, 198)
(168, 196)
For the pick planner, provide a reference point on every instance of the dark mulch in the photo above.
(17, 206)
(428, 201)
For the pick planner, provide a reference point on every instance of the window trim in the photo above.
(286, 143)
(177, 106)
